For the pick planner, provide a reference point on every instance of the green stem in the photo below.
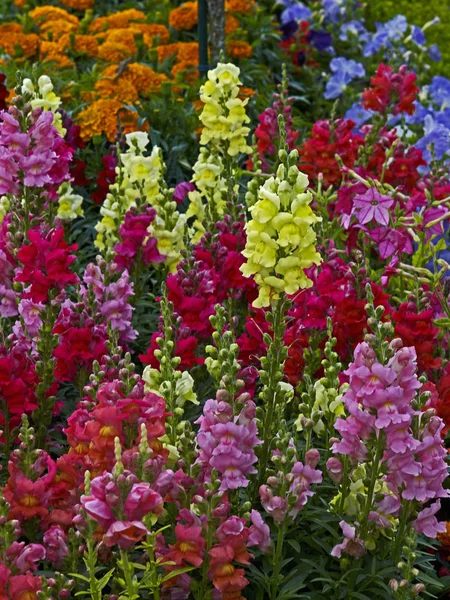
(372, 483)
(276, 561)
(396, 552)
(273, 352)
(128, 572)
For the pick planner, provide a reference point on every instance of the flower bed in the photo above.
(224, 305)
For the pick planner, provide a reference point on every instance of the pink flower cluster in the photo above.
(118, 514)
(227, 442)
(379, 405)
(112, 292)
(35, 158)
(136, 243)
(301, 477)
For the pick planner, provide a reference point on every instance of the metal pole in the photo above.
(202, 37)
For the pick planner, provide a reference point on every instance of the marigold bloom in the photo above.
(153, 31)
(55, 28)
(117, 20)
(143, 78)
(125, 92)
(239, 49)
(184, 17)
(82, 44)
(54, 52)
(16, 43)
(185, 51)
(240, 6)
(101, 117)
(116, 52)
(231, 24)
(78, 4)
(41, 14)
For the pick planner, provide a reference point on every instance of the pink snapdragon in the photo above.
(227, 443)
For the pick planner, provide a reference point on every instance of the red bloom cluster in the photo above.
(46, 261)
(136, 243)
(267, 132)
(105, 178)
(185, 347)
(213, 275)
(91, 433)
(417, 329)
(317, 155)
(3, 91)
(402, 170)
(391, 91)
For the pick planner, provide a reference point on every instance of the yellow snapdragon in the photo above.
(208, 200)
(280, 239)
(223, 115)
(138, 180)
(4, 207)
(69, 203)
(45, 98)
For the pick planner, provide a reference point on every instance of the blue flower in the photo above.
(296, 12)
(435, 53)
(353, 28)
(439, 90)
(333, 9)
(358, 114)
(319, 39)
(418, 36)
(436, 139)
(418, 116)
(352, 68)
(443, 117)
(378, 41)
(396, 27)
(289, 29)
(344, 71)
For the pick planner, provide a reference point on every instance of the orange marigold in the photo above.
(145, 80)
(82, 44)
(102, 117)
(117, 20)
(55, 28)
(239, 49)
(54, 52)
(240, 6)
(184, 17)
(41, 14)
(246, 92)
(186, 70)
(444, 538)
(124, 91)
(116, 52)
(18, 44)
(231, 24)
(152, 31)
(19, 3)
(183, 51)
(78, 4)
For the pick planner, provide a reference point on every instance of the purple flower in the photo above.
(355, 29)
(30, 557)
(55, 541)
(390, 241)
(31, 314)
(259, 533)
(427, 523)
(418, 35)
(351, 545)
(321, 40)
(182, 190)
(296, 12)
(372, 206)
